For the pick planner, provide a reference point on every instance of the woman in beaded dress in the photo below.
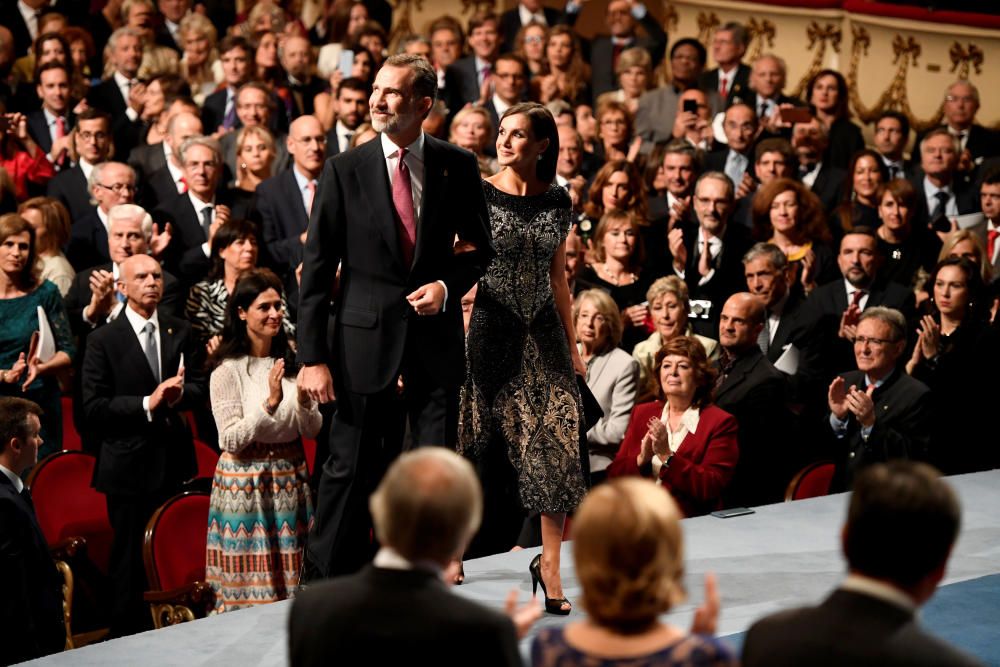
(521, 413)
(260, 507)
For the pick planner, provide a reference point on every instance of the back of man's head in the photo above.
(428, 505)
(902, 521)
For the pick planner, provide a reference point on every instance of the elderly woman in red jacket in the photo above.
(682, 440)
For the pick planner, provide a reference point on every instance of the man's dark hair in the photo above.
(231, 42)
(738, 30)
(481, 19)
(353, 83)
(774, 145)
(425, 83)
(14, 418)
(991, 176)
(692, 42)
(898, 116)
(51, 65)
(92, 113)
(514, 58)
(901, 522)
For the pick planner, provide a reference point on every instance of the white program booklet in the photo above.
(46, 341)
(788, 362)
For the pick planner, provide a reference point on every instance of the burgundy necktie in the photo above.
(991, 243)
(402, 199)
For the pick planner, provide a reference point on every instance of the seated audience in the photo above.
(629, 553)
(635, 73)
(906, 248)
(859, 207)
(942, 194)
(826, 92)
(23, 160)
(902, 522)
(51, 222)
(682, 440)
(472, 130)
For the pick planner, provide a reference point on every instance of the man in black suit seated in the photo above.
(526, 11)
(741, 127)
(975, 142)
(877, 412)
(773, 158)
(465, 79)
(196, 214)
(297, 61)
(50, 126)
(708, 254)
(753, 391)
(255, 105)
(110, 184)
(140, 372)
(285, 201)
(120, 94)
(351, 109)
(679, 171)
(92, 139)
(219, 110)
(902, 522)
(147, 159)
(833, 310)
(810, 141)
(892, 133)
(732, 77)
(165, 183)
(426, 509)
(942, 192)
(767, 81)
(31, 611)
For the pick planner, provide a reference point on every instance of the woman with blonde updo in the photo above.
(629, 553)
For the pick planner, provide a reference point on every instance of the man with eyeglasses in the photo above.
(110, 183)
(942, 191)
(732, 77)
(255, 106)
(741, 126)
(660, 108)
(467, 77)
(92, 139)
(877, 412)
(526, 11)
(510, 76)
(284, 202)
(975, 142)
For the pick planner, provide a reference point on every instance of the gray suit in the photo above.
(613, 378)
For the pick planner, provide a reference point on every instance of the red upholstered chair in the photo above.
(174, 554)
(810, 482)
(207, 459)
(70, 438)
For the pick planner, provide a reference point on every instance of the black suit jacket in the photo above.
(510, 25)
(88, 242)
(70, 187)
(966, 198)
(385, 617)
(740, 87)
(213, 111)
(107, 97)
(138, 456)
(795, 328)
(982, 143)
(903, 418)
(38, 128)
(146, 160)
(185, 257)
(753, 391)
(462, 83)
(283, 218)
(728, 278)
(353, 221)
(829, 186)
(845, 140)
(848, 628)
(31, 603)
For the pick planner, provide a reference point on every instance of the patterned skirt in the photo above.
(258, 520)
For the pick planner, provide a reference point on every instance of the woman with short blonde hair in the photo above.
(199, 64)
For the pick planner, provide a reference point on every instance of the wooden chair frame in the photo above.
(793, 485)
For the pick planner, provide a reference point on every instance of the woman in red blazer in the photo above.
(683, 441)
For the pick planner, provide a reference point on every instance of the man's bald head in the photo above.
(740, 322)
(307, 145)
(182, 127)
(141, 281)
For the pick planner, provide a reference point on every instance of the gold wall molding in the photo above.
(403, 11)
(760, 33)
(707, 23)
(823, 35)
(670, 17)
(960, 59)
(473, 7)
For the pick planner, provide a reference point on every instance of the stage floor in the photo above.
(782, 556)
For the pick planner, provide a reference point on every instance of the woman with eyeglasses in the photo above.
(530, 45)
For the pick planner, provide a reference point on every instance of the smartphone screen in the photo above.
(691, 106)
(346, 65)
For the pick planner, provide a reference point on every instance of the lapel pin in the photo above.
(170, 331)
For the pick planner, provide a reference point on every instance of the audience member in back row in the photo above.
(902, 522)
(906, 247)
(629, 553)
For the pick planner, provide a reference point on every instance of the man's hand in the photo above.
(678, 212)
(137, 97)
(317, 383)
(684, 122)
(222, 215)
(836, 398)
(102, 290)
(61, 146)
(849, 323)
(524, 616)
(747, 185)
(427, 299)
(861, 404)
(167, 391)
(706, 617)
(675, 241)
(159, 241)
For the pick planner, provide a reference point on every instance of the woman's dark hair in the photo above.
(977, 308)
(845, 211)
(704, 374)
(594, 208)
(841, 110)
(228, 234)
(53, 37)
(543, 126)
(810, 210)
(235, 341)
(11, 224)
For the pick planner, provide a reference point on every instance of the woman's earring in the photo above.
(540, 157)
(243, 165)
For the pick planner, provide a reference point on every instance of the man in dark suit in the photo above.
(901, 525)
(622, 18)
(285, 201)
(134, 390)
(398, 313)
(118, 94)
(810, 141)
(892, 133)
(425, 511)
(464, 79)
(255, 105)
(833, 309)
(989, 199)
(50, 126)
(352, 109)
(31, 611)
(731, 78)
(296, 59)
(878, 412)
(679, 171)
(111, 183)
(526, 11)
(195, 215)
(93, 146)
(708, 255)
(975, 142)
(172, 12)
(942, 193)
(753, 391)
(219, 110)
(163, 183)
(765, 96)
(510, 77)
(772, 158)
(740, 125)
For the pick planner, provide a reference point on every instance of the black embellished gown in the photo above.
(520, 406)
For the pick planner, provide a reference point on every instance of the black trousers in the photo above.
(366, 435)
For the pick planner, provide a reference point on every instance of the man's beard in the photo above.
(391, 125)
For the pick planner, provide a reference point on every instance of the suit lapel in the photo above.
(291, 187)
(131, 350)
(169, 354)
(373, 182)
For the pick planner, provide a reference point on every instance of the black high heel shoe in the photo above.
(552, 605)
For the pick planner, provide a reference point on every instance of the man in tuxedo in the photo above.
(942, 193)
(892, 133)
(386, 217)
(989, 200)
(446, 48)
(92, 139)
(219, 110)
(622, 18)
(351, 110)
(119, 94)
(148, 159)
(31, 605)
(708, 254)
(164, 184)
(110, 183)
(425, 511)
(50, 126)
(677, 173)
(975, 142)
(285, 201)
(731, 78)
(902, 522)
(767, 83)
(195, 215)
(510, 77)
(753, 391)
(296, 59)
(526, 11)
(135, 389)
(466, 77)
(741, 126)
(168, 32)
(810, 140)
(255, 105)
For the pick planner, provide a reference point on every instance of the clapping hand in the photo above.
(14, 374)
(675, 241)
(860, 403)
(168, 391)
(849, 323)
(524, 616)
(836, 397)
(929, 337)
(274, 377)
(706, 617)
(159, 241)
(678, 212)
